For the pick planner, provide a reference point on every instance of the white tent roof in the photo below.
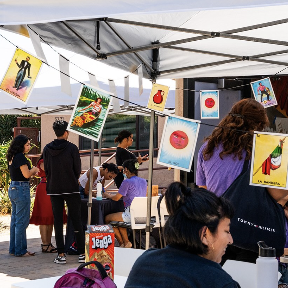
(52, 100)
(196, 38)
(41, 11)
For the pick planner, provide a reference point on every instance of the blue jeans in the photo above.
(19, 194)
(282, 268)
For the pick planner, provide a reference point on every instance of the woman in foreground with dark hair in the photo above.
(20, 170)
(197, 234)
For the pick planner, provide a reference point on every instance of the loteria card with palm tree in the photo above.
(269, 160)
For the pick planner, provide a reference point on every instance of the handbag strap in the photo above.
(99, 266)
(245, 167)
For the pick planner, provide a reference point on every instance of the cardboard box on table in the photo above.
(99, 246)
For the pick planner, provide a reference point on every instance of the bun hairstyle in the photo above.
(16, 146)
(111, 167)
(132, 165)
(122, 135)
(190, 210)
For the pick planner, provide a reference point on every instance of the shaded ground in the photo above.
(18, 269)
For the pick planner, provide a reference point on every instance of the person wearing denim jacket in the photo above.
(20, 171)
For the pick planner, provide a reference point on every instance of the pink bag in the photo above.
(84, 277)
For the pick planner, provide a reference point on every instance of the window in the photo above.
(138, 125)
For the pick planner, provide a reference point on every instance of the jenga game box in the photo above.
(99, 246)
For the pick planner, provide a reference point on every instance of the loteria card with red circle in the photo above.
(209, 102)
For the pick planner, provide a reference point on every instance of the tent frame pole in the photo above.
(187, 30)
(81, 38)
(150, 177)
(125, 42)
(89, 204)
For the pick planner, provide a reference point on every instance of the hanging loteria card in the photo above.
(209, 104)
(263, 92)
(178, 143)
(21, 75)
(90, 112)
(269, 160)
(158, 97)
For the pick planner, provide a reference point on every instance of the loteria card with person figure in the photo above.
(269, 161)
(178, 142)
(209, 104)
(21, 75)
(158, 97)
(263, 92)
(90, 112)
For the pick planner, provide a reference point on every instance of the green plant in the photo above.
(5, 205)
(8, 122)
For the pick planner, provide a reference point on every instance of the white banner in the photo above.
(126, 91)
(35, 39)
(93, 80)
(65, 76)
(115, 100)
(140, 77)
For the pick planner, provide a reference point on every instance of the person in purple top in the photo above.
(131, 187)
(221, 157)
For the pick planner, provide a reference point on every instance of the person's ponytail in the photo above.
(175, 196)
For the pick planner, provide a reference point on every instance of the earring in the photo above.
(212, 247)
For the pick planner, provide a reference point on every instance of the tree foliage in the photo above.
(8, 122)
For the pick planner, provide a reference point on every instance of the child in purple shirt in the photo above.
(133, 186)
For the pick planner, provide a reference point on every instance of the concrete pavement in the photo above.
(18, 269)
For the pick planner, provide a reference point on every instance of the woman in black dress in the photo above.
(125, 140)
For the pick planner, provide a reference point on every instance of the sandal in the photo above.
(47, 250)
(28, 254)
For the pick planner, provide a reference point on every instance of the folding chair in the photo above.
(138, 212)
(163, 216)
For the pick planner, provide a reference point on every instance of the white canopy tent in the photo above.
(195, 38)
(48, 100)
(171, 39)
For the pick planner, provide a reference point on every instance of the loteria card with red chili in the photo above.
(209, 104)
(99, 246)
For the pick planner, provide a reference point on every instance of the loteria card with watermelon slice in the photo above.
(269, 161)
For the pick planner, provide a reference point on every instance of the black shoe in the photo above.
(60, 260)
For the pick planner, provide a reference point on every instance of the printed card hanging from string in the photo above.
(263, 92)
(209, 104)
(21, 75)
(269, 160)
(90, 112)
(178, 143)
(158, 97)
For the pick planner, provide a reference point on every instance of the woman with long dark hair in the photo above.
(230, 144)
(222, 156)
(21, 171)
(125, 140)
